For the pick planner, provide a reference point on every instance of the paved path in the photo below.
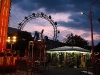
(64, 71)
(59, 71)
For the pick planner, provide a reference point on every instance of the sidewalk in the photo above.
(64, 71)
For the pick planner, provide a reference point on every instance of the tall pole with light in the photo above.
(91, 26)
(11, 40)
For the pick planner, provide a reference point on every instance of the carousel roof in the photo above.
(69, 48)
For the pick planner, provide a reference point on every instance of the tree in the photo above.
(97, 47)
(23, 39)
(75, 40)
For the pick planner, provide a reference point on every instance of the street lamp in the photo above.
(11, 40)
(31, 44)
(91, 25)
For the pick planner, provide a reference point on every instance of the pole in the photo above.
(32, 52)
(11, 46)
(92, 41)
(91, 26)
(93, 57)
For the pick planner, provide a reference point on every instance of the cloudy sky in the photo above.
(65, 12)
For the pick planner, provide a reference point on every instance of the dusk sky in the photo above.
(65, 12)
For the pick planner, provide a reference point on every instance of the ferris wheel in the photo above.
(42, 16)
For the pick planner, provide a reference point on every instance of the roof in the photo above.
(69, 48)
(12, 30)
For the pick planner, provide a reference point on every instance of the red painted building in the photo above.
(4, 22)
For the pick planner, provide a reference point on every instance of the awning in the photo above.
(69, 48)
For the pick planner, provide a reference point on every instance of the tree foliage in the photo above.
(23, 39)
(97, 47)
(75, 40)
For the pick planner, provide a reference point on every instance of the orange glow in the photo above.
(4, 21)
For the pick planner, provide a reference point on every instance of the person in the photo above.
(37, 61)
(37, 66)
(26, 53)
(47, 62)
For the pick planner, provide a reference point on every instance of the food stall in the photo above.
(69, 56)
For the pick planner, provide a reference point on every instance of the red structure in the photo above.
(4, 21)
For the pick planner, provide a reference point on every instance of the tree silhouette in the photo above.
(97, 47)
(23, 39)
(75, 40)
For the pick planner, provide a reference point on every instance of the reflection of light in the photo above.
(69, 52)
(84, 54)
(99, 59)
(96, 53)
(39, 40)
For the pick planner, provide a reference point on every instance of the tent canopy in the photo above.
(69, 48)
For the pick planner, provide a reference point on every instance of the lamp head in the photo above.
(14, 38)
(8, 40)
(82, 13)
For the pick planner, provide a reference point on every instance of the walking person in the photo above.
(47, 62)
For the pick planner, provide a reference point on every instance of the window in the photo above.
(4, 32)
(2, 21)
(0, 2)
(4, 10)
(3, 42)
(0, 6)
(1, 31)
(5, 2)
(0, 39)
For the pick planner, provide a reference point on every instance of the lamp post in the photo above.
(91, 26)
(11, 40)
(31, 44)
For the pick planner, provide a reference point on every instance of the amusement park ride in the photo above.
(4, 21)
(9, 60)
(37, 48)
(35, 57)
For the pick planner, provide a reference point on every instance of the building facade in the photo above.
(4, 21)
